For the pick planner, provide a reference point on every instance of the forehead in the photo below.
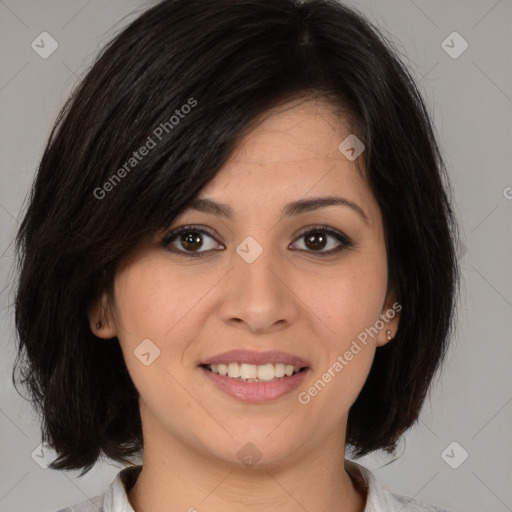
(295, 131)
(291, 154)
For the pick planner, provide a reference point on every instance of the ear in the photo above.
(101, 320)
(390, 317)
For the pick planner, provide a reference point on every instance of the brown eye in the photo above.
(317, 239)
(191, 240)
(187, 241)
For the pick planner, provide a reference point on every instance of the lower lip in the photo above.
(256, 392)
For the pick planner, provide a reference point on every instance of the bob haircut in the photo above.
(186, 80)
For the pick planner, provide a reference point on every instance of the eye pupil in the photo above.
(191, 240)
(312, 240)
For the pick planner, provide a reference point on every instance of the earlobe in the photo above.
(100, 319)
(390, 319)
(386, 335)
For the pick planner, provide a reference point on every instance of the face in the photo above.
(308, 283)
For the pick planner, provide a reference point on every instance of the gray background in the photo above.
(470, 98)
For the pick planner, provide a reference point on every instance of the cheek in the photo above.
(151, 307)
(349, 298)
(348, 305)
(152, 301)
(348, 302)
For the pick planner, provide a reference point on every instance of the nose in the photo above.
(257, 293)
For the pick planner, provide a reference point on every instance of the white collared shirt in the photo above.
(379, 498)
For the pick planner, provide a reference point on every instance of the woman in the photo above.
(237, 261)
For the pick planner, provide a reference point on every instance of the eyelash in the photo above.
(345, 242)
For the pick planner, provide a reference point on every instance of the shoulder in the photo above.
(115, 498)
(379, 498)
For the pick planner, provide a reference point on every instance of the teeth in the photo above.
(279, 369)
(254, 373)
(233, 370)
(248, 371)
(266, 372)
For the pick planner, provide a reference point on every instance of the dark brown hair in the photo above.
(229, 61)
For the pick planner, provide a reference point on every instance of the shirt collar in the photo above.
(116, 497)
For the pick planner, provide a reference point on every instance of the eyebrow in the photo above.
(291, 209)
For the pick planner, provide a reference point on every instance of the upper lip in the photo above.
(256, 358)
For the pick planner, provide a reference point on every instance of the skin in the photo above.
(288, 299)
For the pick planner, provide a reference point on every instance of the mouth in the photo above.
(255, 376)
(245, 372)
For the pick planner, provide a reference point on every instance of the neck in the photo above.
(176, 476)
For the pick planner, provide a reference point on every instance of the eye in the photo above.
(317, 238)
(189, 238)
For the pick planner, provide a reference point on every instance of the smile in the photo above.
(254, 373)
